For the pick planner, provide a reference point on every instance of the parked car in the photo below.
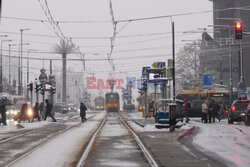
(60, 108)
(238, 111)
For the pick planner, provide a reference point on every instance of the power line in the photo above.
(125, 20)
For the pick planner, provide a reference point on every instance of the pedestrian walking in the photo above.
(186, 109)
(83, 109)
(48, 110)
(215, 111)
(204, 108)
(42, 110)
(24, 108)
(36, 112)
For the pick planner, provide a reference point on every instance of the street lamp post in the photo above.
(20, 82)
(28, 65)
(21, 78)
(9, 62)
(1, 65)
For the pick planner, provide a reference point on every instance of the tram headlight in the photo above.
(30, 112)
(15, 113)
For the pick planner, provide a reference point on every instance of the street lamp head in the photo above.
(25, 29)
(12, 44)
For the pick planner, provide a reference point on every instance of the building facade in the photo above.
(226, 43)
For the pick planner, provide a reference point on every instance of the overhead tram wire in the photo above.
(125, 20)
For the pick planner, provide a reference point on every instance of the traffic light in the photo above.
(53, 90)
(42, 90)
(144, 87)
(238, 30)
(30, 86)
(37, 88)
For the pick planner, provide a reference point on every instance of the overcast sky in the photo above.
(141, 49)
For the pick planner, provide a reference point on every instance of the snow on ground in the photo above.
(61, 150)
(230, 142)
(136, 115)
(119, 153)
(111, 130)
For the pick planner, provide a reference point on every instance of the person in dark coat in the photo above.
(41, 109)
(36, 112)
(48, 110)
(83, 109)
(215, 111)
(24, 108)
(3, 111)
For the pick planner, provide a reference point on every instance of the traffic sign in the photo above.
(144, 71)
(242, 92)
(242, 85)
(208, 79)
(161, 64)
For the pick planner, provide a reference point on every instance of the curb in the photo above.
(186, 133)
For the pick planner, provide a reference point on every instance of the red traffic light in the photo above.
(238, 26)
(238, 30)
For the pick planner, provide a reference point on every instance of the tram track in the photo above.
(143, 148)
(146, 154)
(50, 137)
(6, 139)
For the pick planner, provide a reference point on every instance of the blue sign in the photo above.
(161, 64)
(242, 92)
(242, 85)
(144, 73)
(208, 79)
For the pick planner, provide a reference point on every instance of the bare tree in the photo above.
(65, 47)
(188, 67)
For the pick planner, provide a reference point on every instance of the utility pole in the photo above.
(241, 63)
(173, 50)
(21, 77)
(50, 69)
(1, 65)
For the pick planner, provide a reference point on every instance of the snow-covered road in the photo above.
(228, 142)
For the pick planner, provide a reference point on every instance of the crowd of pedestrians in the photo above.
(211, 110)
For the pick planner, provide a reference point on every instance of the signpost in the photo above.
(242, 89)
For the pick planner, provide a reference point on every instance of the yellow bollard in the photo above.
(143, 113)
